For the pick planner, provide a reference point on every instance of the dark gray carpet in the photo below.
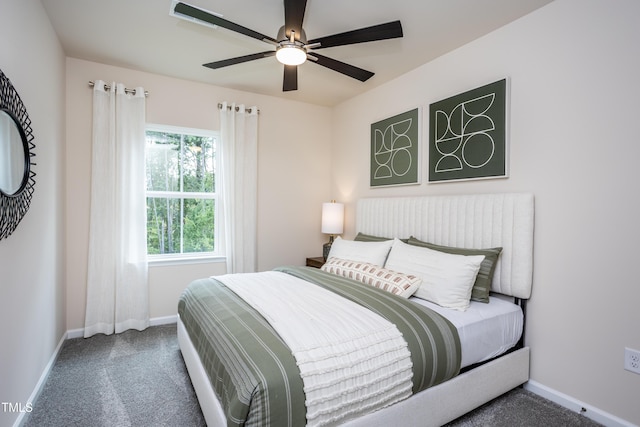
(521, 408)
(139, 379)
(129, 379)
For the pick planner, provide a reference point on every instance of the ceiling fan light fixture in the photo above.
(291, 54)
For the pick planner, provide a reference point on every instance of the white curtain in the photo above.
(239, 155)
(117, 289)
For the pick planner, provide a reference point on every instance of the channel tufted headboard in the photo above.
(469, 221)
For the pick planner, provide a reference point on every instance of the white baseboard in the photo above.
(166, 320)
(156, 321)
(75, 333)
(575, 405)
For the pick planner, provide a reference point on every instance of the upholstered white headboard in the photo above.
(469, 221)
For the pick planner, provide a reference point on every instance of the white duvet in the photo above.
(353, 362)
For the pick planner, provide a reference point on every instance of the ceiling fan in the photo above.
(291, 45)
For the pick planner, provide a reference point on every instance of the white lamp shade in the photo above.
(332, 218)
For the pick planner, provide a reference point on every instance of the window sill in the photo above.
(184, 259)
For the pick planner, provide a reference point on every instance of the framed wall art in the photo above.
(395, 150)
(467, 135)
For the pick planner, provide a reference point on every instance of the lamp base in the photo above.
(325, 250)
(327, 247)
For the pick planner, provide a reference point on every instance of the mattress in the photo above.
(485, 330)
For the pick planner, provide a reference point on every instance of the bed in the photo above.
(488, 363)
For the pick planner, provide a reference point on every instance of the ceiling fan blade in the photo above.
(239, 59)
(341, 67)
(390, 30)
(202, 15)
(293, 16)
(290, 81)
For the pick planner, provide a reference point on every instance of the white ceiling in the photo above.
(140, 34)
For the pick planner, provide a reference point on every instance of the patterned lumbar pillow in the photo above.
(403, 285)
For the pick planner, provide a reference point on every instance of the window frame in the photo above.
(192, 257)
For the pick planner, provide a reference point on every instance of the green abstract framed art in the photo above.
(395, 150)
(468, 135)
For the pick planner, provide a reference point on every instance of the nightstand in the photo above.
(316, 262)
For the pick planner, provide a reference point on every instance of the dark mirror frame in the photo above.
(13, 207)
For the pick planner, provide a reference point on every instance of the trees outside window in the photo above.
(181, 192)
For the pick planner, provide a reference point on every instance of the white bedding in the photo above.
(486, 330)
(354, 361)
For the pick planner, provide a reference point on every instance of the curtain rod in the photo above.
(237, 109)
(126, 90)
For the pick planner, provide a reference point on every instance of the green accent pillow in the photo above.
(482, 285)
(369, 238)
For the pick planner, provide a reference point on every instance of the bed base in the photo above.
(434, 406)
(480, 221)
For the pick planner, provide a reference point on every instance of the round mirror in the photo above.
(14, 167)
(17, 178)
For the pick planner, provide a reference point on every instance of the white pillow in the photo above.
(447, 279)
(403, 285)
(372, 252)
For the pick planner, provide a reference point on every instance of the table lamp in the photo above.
(332, 223)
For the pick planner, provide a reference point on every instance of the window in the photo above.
(181, 192)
